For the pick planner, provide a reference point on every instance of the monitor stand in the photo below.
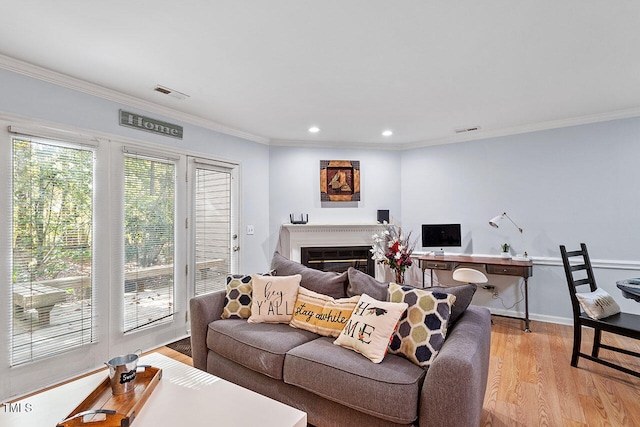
(438, 253)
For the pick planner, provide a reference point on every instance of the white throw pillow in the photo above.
(598, 304)
(370, 326)
(273, 298)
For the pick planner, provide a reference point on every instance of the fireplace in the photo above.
(338, 259)
(294, 237)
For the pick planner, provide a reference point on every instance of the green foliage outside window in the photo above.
(52, 211)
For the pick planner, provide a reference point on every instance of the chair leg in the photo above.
(597, 334)
(577, 340)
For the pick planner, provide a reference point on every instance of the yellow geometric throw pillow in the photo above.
(237, 300)
(421, 333)
(370, 326)
(321, 313)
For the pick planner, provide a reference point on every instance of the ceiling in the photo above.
(271, 69)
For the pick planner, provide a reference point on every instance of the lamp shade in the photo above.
(496, 220)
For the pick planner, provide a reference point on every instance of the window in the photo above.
(52, 224)
(149, 204)
(100, 248)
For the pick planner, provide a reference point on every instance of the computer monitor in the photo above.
(441, 235)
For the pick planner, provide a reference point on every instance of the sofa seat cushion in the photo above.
(389, 390)
(260, 347)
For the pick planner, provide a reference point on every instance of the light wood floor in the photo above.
(531, 382)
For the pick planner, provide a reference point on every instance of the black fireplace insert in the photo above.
(338, 259)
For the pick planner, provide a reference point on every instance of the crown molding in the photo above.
(469, 136)
(59, 79)
(528, 128)
(333, 144)
(44, 74)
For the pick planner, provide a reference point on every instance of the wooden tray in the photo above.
(104, 409)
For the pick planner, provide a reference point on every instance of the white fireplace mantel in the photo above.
(293, 237)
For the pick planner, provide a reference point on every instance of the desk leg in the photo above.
(526, 305)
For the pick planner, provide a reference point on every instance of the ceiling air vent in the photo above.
(465, 130)
(171, 92)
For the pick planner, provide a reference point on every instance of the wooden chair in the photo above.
(625, 324)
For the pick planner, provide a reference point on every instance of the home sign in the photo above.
(150, 125)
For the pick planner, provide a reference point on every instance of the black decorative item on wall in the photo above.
(383, 216)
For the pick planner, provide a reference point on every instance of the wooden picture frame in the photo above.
(340, 180)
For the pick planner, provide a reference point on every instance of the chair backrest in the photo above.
(577, 268)
(469, 275)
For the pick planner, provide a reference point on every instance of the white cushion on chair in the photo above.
(598, 304)
(469, 275)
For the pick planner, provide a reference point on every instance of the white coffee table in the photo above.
(185, 396)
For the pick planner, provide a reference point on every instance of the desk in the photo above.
(493, 265)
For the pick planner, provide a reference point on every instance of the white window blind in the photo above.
(149, 198)
(52, 224)
(213, 228)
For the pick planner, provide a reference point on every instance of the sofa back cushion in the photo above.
(322, 282)
(361, 283)
(464, 295)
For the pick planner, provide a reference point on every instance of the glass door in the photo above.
(214, 229)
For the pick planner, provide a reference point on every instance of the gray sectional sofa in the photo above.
(339, 387)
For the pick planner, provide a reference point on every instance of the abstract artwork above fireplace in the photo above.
(340, 180)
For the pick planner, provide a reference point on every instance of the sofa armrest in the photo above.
(204, 309)
(455, 384)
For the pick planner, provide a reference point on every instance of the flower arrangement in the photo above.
(393, 249)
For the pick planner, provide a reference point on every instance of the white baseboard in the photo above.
(532, 317)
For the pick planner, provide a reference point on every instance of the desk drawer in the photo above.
(437, 265)
(508, 270)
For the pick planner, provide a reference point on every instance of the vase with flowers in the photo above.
(394, 249)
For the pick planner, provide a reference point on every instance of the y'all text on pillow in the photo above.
(274, 301)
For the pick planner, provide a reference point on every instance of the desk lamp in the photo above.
(495, 222)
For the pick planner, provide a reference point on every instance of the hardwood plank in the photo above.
(531, 381)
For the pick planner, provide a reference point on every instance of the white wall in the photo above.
(38, 100)
(34, 102)
(295, 186)
(562, 186)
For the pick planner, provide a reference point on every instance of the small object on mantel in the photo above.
(303, 219)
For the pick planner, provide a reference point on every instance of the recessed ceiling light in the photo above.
(387, 133)
(314, 129)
